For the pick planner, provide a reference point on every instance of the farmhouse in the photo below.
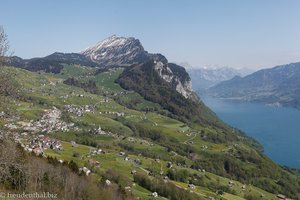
(85, 170)
(282, 197)
(107, 182)
(154, 194)
(191, 186)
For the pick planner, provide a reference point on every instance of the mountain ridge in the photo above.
(279, 85)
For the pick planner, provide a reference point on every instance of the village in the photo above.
(49, 122)
(38, 144)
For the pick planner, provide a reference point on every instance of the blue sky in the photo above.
(236, 33)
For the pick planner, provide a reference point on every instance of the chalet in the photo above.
(120, 114)
(2, 114)
(282, 197)
(154, 194)
(24, 134)
(99, 151)
(85, 170)
(107, 182)
(130, 139)
(128, 188)
(169, 164)
(191, 186)
(93, 152)
(28, 149)
(190, 142)
(100, 131)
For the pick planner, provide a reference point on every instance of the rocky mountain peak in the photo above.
(114, 42)
(116, 50)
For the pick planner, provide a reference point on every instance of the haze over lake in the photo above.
(276, 128)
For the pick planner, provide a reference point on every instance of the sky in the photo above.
(211, 33)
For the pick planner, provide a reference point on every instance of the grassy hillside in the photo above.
(152, 138)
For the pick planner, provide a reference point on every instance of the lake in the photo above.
(276, 128)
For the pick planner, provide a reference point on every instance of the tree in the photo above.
(8, 85)
(4, 46)
(12, 168)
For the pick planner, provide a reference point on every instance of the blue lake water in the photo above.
(276, 128)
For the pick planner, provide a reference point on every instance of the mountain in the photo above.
(131, 121)
(170, 86)
(120, 51)
(279, 86)
(151, 76)
(52, 63)
(112, 51)
(203, 78)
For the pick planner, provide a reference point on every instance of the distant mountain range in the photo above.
(204, 78)
(276, 86)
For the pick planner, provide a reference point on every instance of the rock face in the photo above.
(279, 86)
(119, 51)
(177, 76)
(184, 89)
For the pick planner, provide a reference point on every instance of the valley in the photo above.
(101, 123)
(122, 123)
(149, 100)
